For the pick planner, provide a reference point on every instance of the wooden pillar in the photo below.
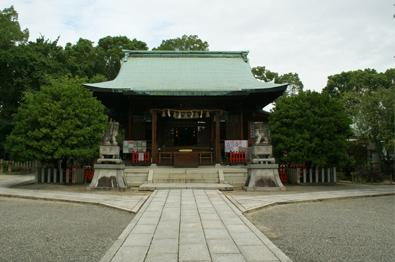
(304, 175)
(130, 121)
(154, 142)
(241, 126)
(42, 180)
(334, 175)
(218, 157)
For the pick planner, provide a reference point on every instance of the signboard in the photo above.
(236, 146)
(134, 146)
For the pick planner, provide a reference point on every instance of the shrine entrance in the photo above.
(185, 138)
(185, 108)
(184, 133)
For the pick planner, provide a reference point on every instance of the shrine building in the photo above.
(186, 108)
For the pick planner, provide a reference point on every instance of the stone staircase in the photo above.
(213, 177)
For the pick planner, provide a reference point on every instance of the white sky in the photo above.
(313, 38)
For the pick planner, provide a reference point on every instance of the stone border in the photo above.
(273, 248)
(21, 195)
(111, 252)
(286, 202)
(133, 210)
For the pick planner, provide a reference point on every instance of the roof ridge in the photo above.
(182, 52)
(168, 53)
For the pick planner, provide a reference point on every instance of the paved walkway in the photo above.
(248, 203)
(127, 203)
(188, 224)
(191, 225)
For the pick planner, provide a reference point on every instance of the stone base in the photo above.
(270, 160)
(264, 177)
(109, 161)
(109, 176)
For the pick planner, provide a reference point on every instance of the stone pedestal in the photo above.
(109, 176)
(264, 177)
(261, 154)
(109, 154)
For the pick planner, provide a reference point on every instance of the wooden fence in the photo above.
(9, 166)
(52, 175)
(317, 175)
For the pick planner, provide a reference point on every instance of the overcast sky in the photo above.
(313, 38)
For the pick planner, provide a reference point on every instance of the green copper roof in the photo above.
(189, 73)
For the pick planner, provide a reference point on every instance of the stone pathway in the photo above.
(188, 224)
(127, 203)
(191, 225)
(248, 203)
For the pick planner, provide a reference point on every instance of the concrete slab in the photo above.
(228, 258)
(193, 225)
(194, 252)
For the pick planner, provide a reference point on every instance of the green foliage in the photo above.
(369, 99)
(82, 58)
(373, 117)
(61, 121)
(261, 73)
(359, 81)
(10, 30)
(25, 67)
(109, 51)
(184, 43)
(295, 84)
(311, 127)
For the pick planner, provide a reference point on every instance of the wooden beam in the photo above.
(154, 142)
(218, 157)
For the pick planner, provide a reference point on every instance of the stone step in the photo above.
(234, 175)
(154, 186)
(185, 176)
(185, 181)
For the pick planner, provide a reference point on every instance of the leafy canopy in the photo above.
(10, 30)
(62, 120)
(369, 99)
(109, 51)
(295, 84)
(25, 67)
(373, 116)
(310, 127)
(184, 43)
(359, 81)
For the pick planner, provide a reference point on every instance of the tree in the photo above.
(110, 53)
(82, 58)
(295, 84)
(25, 67)
(359, 81)
(368, 97)
(373, 118)
(261, 73)
(311, 127)
(10, 30)
(184, 43)
(59, 122)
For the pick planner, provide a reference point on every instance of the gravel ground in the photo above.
(360, 229)
(34, 230)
